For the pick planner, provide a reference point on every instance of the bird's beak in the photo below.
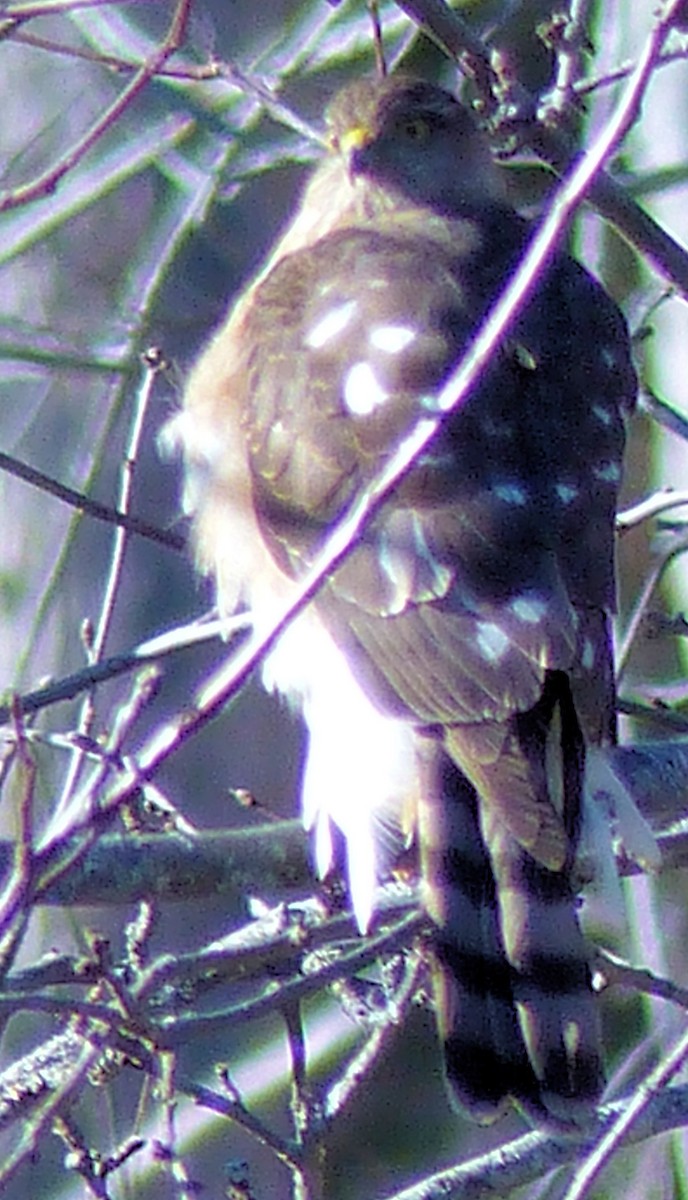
(351, 144)
(354, 139)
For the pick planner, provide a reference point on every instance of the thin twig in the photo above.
(640, 608)
(341, 1091)
(618, 973)
(192, 72)
(174, 1031)
(183, 1187)
(50, 8)
(570, 41)
(13, 901)
(600, 1155)
(152, 365)
(53, 1092)
(229, 1103)
(46, 183)
(180, 638)
(528, 1159)
(300, 1101)
(83, 809)
(584, 87)
(92, 508)
(665, 414)
(668, 719)
(80, 1158)
(658, 502)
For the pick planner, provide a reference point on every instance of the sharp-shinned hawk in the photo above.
(456, 665)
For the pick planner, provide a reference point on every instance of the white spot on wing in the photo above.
(492, 641)
(397, 566)
(362, 391)
(609, 472)
(566, 492)
(511, 493)
(602, 413)
(441, 576)
(529, 609)
(391, 338)
(497, 429)
(334, 322)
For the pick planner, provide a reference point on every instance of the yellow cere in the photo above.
(354, 139)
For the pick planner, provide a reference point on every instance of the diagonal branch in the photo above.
(85, 504)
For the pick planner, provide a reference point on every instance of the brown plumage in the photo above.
(457, 664)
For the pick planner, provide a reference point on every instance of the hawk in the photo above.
(456, 665)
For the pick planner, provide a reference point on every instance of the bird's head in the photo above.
(414, 139)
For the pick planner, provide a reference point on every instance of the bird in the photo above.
(456, 667)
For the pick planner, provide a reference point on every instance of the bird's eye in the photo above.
(416, 129)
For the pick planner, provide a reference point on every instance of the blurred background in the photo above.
(142, 240)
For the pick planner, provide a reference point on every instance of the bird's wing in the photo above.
(493, 560)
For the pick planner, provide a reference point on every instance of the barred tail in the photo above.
(512, 985)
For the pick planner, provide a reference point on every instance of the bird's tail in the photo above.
(512, 982)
